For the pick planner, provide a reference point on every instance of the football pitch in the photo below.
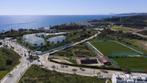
(114, 49)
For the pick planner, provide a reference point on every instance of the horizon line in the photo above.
(69, 14)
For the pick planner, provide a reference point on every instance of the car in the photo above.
(10, 75)
(104, 71)
(82, 69)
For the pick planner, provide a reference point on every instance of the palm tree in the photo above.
(41, 44)
(35, 45)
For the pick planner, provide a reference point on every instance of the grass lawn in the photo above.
(8, 59)
(139, 44)
(119, 28)
(111, 48)
(138, 64)
(39, 75)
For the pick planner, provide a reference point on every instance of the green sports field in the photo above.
(112, 49)
(135, 63)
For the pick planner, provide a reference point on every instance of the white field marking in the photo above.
(95, 48)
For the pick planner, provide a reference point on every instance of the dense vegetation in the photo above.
(57, 28)
(8, 59)
(39, 75)
(20, 32)
(133, 21)
(77, 35)
(71, 26)
(118, 35)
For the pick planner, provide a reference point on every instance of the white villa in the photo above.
(129, 78)
(56, 39)
(34, 40)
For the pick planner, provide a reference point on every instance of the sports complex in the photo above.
(121, 55)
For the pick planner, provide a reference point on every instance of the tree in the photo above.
(9, 62)
(0, 43)
(41, 44)
(35, 45)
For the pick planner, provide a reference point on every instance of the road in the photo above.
(138, 34)
(75, 70)
(20, 69)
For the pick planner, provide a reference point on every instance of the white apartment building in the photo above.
(56, 39)
(129, 78)
(34, 40)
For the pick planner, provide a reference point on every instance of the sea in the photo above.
(8, 22)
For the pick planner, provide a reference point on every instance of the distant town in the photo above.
(109, 50)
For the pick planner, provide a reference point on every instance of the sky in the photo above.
(71, 7)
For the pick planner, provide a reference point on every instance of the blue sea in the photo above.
(19, 21)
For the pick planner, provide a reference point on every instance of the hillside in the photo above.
(135, 21)
(138, 21)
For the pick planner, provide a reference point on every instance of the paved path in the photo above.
(143, 36)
